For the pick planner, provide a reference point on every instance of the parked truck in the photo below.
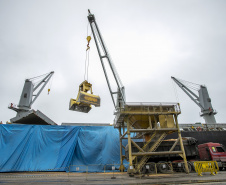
(202, 152)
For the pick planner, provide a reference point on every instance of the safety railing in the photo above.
(152, 107)
(206, 166)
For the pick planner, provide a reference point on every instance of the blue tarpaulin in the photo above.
(55, 148)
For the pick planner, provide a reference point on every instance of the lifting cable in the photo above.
(50, 85)
(34, 78)
(191, 85)
(88, 38)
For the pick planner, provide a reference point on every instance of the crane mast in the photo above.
(202, 100)
(105, 59)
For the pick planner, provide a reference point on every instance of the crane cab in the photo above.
(84, 99)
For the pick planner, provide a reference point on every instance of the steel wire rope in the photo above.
(87, 57)
(37, 76)
(34, 83)
(85, 67)
(88, 51)
(195, 86)
(188, 82)
(88, 65)
(191, 85)
(50, 84)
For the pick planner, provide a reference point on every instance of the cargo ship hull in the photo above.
(203, 136)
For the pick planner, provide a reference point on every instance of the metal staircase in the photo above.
(145, 158)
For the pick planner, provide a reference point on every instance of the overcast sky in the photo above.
(149, 41)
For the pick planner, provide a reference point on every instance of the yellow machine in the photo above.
(84, 99)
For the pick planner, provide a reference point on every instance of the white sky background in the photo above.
(149, 42)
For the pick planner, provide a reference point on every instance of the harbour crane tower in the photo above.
(26, 115)
(202, 99)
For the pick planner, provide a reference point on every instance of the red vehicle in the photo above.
(213, 152)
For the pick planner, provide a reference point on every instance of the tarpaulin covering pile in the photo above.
(56, 148)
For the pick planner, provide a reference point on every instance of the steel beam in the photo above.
(147, 113)
(156, 153)
(181, 145)
(140, 149)
(151, 130)
(171, 149)
(123, 135)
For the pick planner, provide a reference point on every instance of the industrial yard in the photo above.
(145, 143)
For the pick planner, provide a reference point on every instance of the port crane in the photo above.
(202, 99)
(85, 99)
(105, 59)
(137, 120)
(25, 114)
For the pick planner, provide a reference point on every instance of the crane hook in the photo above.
(88, 39)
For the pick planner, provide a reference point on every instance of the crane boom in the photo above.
(106, 60)
(202, 100)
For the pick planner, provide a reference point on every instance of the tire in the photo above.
(143, 170)
(152, 168)
(192, 165)
(162, 167)
(189, 167)
(175, 167)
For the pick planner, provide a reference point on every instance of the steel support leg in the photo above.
(181, 145)
(130, 169)
(122, 167)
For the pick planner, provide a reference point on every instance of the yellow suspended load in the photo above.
(84, 99)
